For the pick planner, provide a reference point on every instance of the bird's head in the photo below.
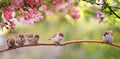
(20, 35)
(60, 34)
(108, 32)
(36, 35)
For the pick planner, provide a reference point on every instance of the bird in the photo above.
(9, 25)
(107, 37)
(36, 38)
(57, 37)
(11, 43)
(20, 39)
(3, 24)
(32, 38)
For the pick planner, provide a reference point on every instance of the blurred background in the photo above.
(86, 27)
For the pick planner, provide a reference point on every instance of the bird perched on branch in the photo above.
(11, 43)
(56, 38)
(9, 25)
(20, 39)
(32, 38)
(107, 37)
(3, 24)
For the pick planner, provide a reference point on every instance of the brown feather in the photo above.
(54, 35)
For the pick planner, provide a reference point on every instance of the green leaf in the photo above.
(111, 20)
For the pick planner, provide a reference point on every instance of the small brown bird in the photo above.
(107, 37)
(20, 40)
(56, 38)
(32, 38)
(11, 43)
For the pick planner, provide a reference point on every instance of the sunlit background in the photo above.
(86, 27)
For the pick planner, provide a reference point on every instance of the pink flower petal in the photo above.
(7, 14)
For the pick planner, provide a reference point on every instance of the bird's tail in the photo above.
(49, 39)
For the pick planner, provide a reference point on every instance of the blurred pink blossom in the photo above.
(26, 20)
(48, 11)
(99, 14)
(34, 3)
(8, 13)
(17, 3)
(70, 1)
(30, 16)
(58, 5)
(74, 13)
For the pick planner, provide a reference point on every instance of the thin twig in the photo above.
(64, 43)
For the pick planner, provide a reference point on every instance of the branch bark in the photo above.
(64, 43)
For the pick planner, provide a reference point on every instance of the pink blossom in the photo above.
(17, 3)
(70, 1)
(30, 16)
(37, 17)
(58, 5)
(99, 14)
(75, 16)
(21, 11)
(38, 1)
(48, 11)
(74, 13)
(26, 20)
(8, 13)
(34, 3)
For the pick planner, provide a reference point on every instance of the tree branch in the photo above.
(111, 9)
(64, 43)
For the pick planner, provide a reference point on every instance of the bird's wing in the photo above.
(54, 35)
